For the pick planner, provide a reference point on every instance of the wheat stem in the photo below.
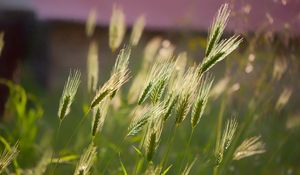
(111, 158)
(56, 140)
(216, 170)
(140, 146)
(171, 139)
(219, 122)
(186, 149)
(70, 138)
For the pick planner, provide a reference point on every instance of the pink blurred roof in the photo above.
(177, 13)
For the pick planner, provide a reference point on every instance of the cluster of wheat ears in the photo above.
(166, 87)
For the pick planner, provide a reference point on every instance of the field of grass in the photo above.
(235, 112)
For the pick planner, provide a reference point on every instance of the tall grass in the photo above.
(155, 112)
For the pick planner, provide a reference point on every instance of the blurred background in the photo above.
(50, 35)
(44, 39)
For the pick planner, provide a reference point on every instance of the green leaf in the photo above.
(123, 168)
(65, 159)
(166, 170)
(138, 151)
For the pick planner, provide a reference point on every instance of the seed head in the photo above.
(200, 103)
(219, 52)
(117, 27)
(181, 63)
(92, 67)
(68, 94)
(153, 136)
(151, 51)
(121, 64)
(159, 74)
(86, 160)
(149, 55)
(185, 89)
(279, 68)
(228, 134)
(99, 115)
(137, 30)
(148, 113)
(166, 51)
(283, 98)
(122, 60)
(119, 76)
(169, 105)
(249, 147)
(158, 91)
(113, 84)
(91, 23)
(8, 155)
(217, 28)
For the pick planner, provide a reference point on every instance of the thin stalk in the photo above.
(219, 122)
(216, 170)
(170, 140)
(70, 138)
(111, 158)
(141, 146)
(186, 150)
(219, 131)
(137, 165)
(55, 140)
